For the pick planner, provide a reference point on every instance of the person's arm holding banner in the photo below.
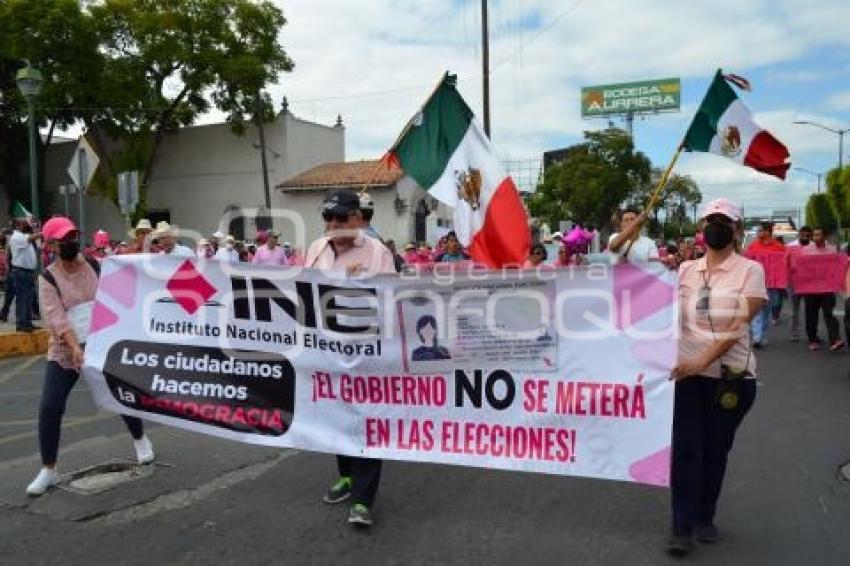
(694, 366)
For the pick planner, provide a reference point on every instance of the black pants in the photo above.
(10, 294)
(58, 383)
(703, 433)
(365, 474)
(821, 302)
(24, 282)
(847, 320)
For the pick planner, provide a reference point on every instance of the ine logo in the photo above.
(311, 305)
(189, 288)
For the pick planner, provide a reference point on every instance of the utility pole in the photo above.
(258, 113)
(485, 62)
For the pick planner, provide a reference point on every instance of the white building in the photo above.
(403, 211)
(206, 177)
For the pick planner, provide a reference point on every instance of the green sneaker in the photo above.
(360, 515)
(340, 491)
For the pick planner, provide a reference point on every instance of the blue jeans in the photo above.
(703, 434)
(58, 382)
(759, 325)
(24, 281)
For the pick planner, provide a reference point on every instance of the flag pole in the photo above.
(664, 178)
(656, 193)
(385, 158)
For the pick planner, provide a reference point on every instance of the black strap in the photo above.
(48, 276)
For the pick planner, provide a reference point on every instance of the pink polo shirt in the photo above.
(265, 256)
(368, 252)
(76, 289)
(730, 283)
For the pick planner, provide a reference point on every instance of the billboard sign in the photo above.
(639, 97)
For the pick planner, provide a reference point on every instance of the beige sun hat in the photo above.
(163, 228)
(144, 224)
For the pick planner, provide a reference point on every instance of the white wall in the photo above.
(202, 170)
(392, 224)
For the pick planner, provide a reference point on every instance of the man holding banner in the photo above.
(804, 238)
(766, 245)
(819, 273)
(346, 248)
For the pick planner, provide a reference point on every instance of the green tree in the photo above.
(592, 180)
(169, 61)
(820, 212)
(60, 40)
(838, 190)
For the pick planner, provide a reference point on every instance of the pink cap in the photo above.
(722, 206)
(57, 228)
(101, 239)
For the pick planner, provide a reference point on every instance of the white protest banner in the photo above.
(561, 371)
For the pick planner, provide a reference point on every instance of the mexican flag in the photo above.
(444, 150)
(19, 211)
(723, 125)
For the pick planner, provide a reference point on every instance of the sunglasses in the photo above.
(328, 216)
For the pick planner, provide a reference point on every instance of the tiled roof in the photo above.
(346, 174)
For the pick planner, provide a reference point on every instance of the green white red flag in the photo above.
(723, 125)
(444, 150)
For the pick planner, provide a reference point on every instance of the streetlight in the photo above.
(810, 172)
(29, 83)
(838, 131)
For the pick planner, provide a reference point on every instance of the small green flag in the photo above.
(19, 211)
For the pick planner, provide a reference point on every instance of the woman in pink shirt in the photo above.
(66, 288)
(719, 294)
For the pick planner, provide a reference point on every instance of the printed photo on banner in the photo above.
(505, 324)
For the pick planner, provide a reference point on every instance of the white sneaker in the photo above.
(144, 450)
(45, 478)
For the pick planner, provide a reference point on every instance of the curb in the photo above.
(13, 344)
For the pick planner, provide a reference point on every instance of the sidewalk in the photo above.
(14, 343)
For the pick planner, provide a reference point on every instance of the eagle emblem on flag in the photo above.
(469, 186)
(730, 141)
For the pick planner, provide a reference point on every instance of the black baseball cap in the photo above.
(341, 201)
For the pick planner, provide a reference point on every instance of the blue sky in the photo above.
(374, 63)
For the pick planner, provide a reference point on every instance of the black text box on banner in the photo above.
(236, 390)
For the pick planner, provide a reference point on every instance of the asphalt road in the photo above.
(218, 502)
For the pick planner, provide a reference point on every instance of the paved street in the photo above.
(218, 502)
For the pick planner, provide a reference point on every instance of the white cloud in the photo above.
(839, 101)
(374, 62)
(344, 48)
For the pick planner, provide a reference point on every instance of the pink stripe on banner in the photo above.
(121, 285)
(654, 469)
(639, 294)
(101, 317)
